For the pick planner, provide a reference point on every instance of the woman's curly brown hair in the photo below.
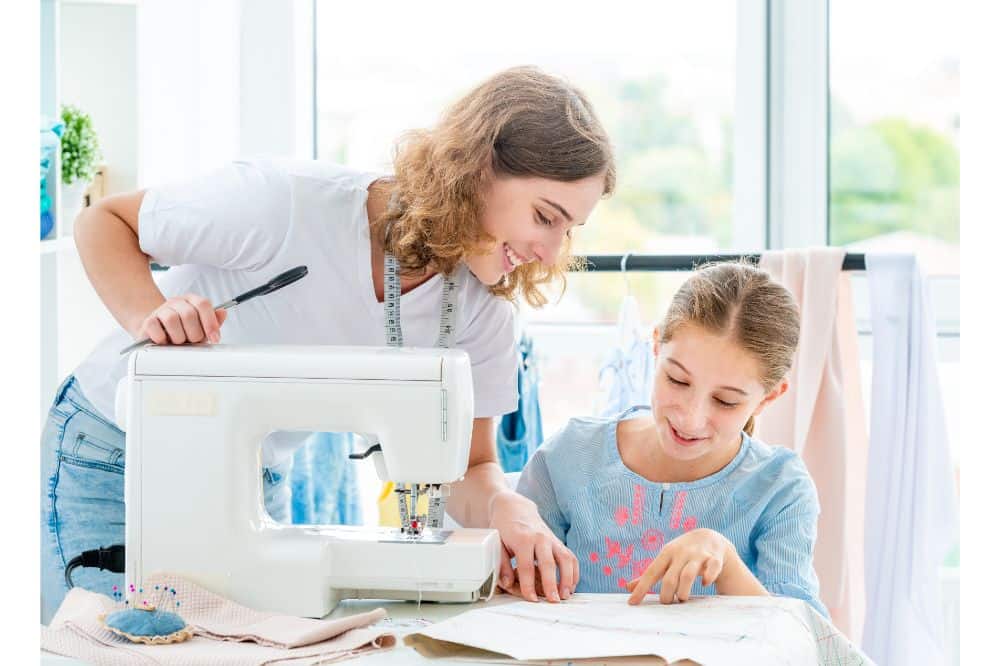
(520, 122)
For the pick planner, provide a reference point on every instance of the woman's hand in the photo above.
(540, 555)
(515, 588)
(700, 552)
(181, 319)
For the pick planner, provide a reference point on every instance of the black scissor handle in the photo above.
(276, 283)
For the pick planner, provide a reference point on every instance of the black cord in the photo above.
(110, 559)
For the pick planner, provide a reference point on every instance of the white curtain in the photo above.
(911, 516)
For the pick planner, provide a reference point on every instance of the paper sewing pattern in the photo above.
(708, 630)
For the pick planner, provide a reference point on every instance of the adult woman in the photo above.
(477, 212)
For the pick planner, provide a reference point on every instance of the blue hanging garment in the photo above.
(324, 482)
(626, 379)
(520, 432)
(51, 130)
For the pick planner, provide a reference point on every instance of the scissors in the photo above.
(275, 284)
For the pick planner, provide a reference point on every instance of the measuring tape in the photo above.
(391, 307)
(394, 338)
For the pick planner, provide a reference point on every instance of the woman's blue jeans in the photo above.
(82, 494)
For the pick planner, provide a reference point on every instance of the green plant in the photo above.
(80, 151)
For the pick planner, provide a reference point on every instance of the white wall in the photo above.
(49, 105)
(175, 88)
(188, 73)
(276, 78)
(97, 72)
(219, 81)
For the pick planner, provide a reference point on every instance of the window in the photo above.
(894, 159)
(663, 78)
(683, 92)
(894, 130)
(664, 86)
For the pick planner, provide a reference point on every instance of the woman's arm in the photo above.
(107, 239)
(482, 499)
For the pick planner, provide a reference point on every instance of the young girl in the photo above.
(655, 498)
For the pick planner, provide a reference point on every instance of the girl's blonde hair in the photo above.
(520, 122)
(742, 302)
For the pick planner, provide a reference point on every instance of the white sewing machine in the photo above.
(195, 419)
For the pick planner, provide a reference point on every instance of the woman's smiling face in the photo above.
(530, 219)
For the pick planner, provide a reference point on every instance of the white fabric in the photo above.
(236, 228)
(626, 378)
(911, 509)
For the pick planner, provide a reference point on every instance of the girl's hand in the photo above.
(181, 319)
(525, 536)
(700, 552)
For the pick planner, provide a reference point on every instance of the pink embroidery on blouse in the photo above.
(637, 500)
(615, 551)
(652, 540)
(621, 516)
(639, 567)
(678, 509)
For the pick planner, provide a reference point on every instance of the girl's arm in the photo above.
(701, 553)
(736, 578)
(785, 540)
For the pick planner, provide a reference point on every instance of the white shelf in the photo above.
(50, 245)
(103, 82)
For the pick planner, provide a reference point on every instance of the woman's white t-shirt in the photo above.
(240, 226)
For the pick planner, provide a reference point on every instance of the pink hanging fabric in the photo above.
(822, 418)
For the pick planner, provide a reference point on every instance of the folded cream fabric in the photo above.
(225, 633)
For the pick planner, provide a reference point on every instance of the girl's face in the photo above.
(705, 389)
(530, 219)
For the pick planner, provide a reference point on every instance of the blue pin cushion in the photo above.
(147, 625)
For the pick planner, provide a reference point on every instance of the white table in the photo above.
(404, 617)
